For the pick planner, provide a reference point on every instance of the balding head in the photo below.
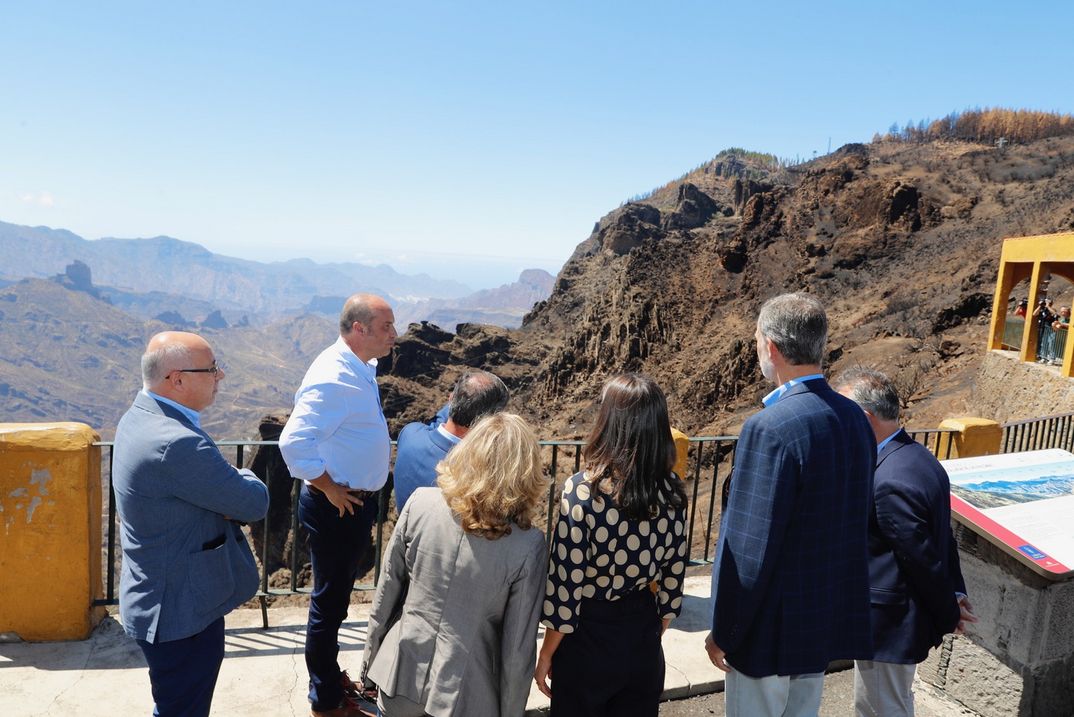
(175, 365)
(476, 394)
(359, 308)
(367, 326)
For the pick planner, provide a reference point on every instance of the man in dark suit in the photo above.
(186, 562)
(918, 594)
(790, 584)
(422, 445)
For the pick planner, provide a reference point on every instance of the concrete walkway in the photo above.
(264, 673)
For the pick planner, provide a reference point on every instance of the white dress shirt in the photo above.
(337, 424)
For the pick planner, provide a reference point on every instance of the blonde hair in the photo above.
(493, 477)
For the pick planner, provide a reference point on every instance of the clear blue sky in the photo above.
(469, 140)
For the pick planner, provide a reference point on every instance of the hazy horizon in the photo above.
(468, 141)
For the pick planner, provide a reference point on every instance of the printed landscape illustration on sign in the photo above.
(1018, 486)
(1022, 501)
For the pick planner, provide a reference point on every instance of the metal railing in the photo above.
(710, 457)
(1034, 434)
(934, 439)
(1013, 329)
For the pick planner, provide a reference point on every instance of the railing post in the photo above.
(551, 497)
(111, 567)
(293, 560)
(693, 499)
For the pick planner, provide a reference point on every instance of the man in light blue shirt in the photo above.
(336, 441)
(422, 446)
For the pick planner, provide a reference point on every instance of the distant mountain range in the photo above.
(504, 306)
(150, 277)
(75, 316)
(67, 356)
(171, 266)
(994, 493)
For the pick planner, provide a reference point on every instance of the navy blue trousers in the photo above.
(183, 672)
(336, 547)
(612, 665)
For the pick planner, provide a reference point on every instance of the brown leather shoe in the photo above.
(350, 687)
(356, 691)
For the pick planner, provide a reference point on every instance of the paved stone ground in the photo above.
(837, 701)
(264, 673)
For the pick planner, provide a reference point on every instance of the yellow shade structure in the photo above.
(1033, 258)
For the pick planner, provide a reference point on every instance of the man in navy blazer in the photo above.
(918, 594)
(790, 584)
(422, 445)
(186, 562)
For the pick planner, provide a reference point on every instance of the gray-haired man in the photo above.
(790, 585)
(916, 586)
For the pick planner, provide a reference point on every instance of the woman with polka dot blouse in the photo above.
(617, 561)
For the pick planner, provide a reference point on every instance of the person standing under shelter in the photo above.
(915, 579)
(1060, 329)
(336, 442)
(790, 583)
(1045, 317)
(422, 445)
(186, 562)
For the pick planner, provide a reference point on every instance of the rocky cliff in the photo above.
(900, 240)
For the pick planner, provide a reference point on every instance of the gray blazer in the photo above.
(454, 623)
(184, 563)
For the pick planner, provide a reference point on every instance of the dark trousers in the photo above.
(612, 665)
(183, 672)
(336, 546)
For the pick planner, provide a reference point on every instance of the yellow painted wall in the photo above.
(1044, 247)
(975, 437)
(50, 530)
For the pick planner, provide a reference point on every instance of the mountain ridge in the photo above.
(900, 240)
(142, 265)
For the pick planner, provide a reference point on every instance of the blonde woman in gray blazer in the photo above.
(454, 623)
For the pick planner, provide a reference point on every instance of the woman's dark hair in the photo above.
(631, 448)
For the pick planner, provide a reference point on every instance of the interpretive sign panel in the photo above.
(1022, 502)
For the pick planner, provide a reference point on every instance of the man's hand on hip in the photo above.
(338, 494)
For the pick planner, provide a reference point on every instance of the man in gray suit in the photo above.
(186, 562)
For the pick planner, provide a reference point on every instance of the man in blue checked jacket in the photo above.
(790, 584)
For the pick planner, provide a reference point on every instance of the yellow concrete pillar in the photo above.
(1010, 273)
(50, 539)
(974, 437)
(1067, 369)
(682, 452)
(1029, 336)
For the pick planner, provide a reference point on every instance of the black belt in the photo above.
(356, 492)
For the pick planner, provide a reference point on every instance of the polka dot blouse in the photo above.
(598, 553)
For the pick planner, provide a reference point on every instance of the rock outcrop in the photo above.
(899, 240)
